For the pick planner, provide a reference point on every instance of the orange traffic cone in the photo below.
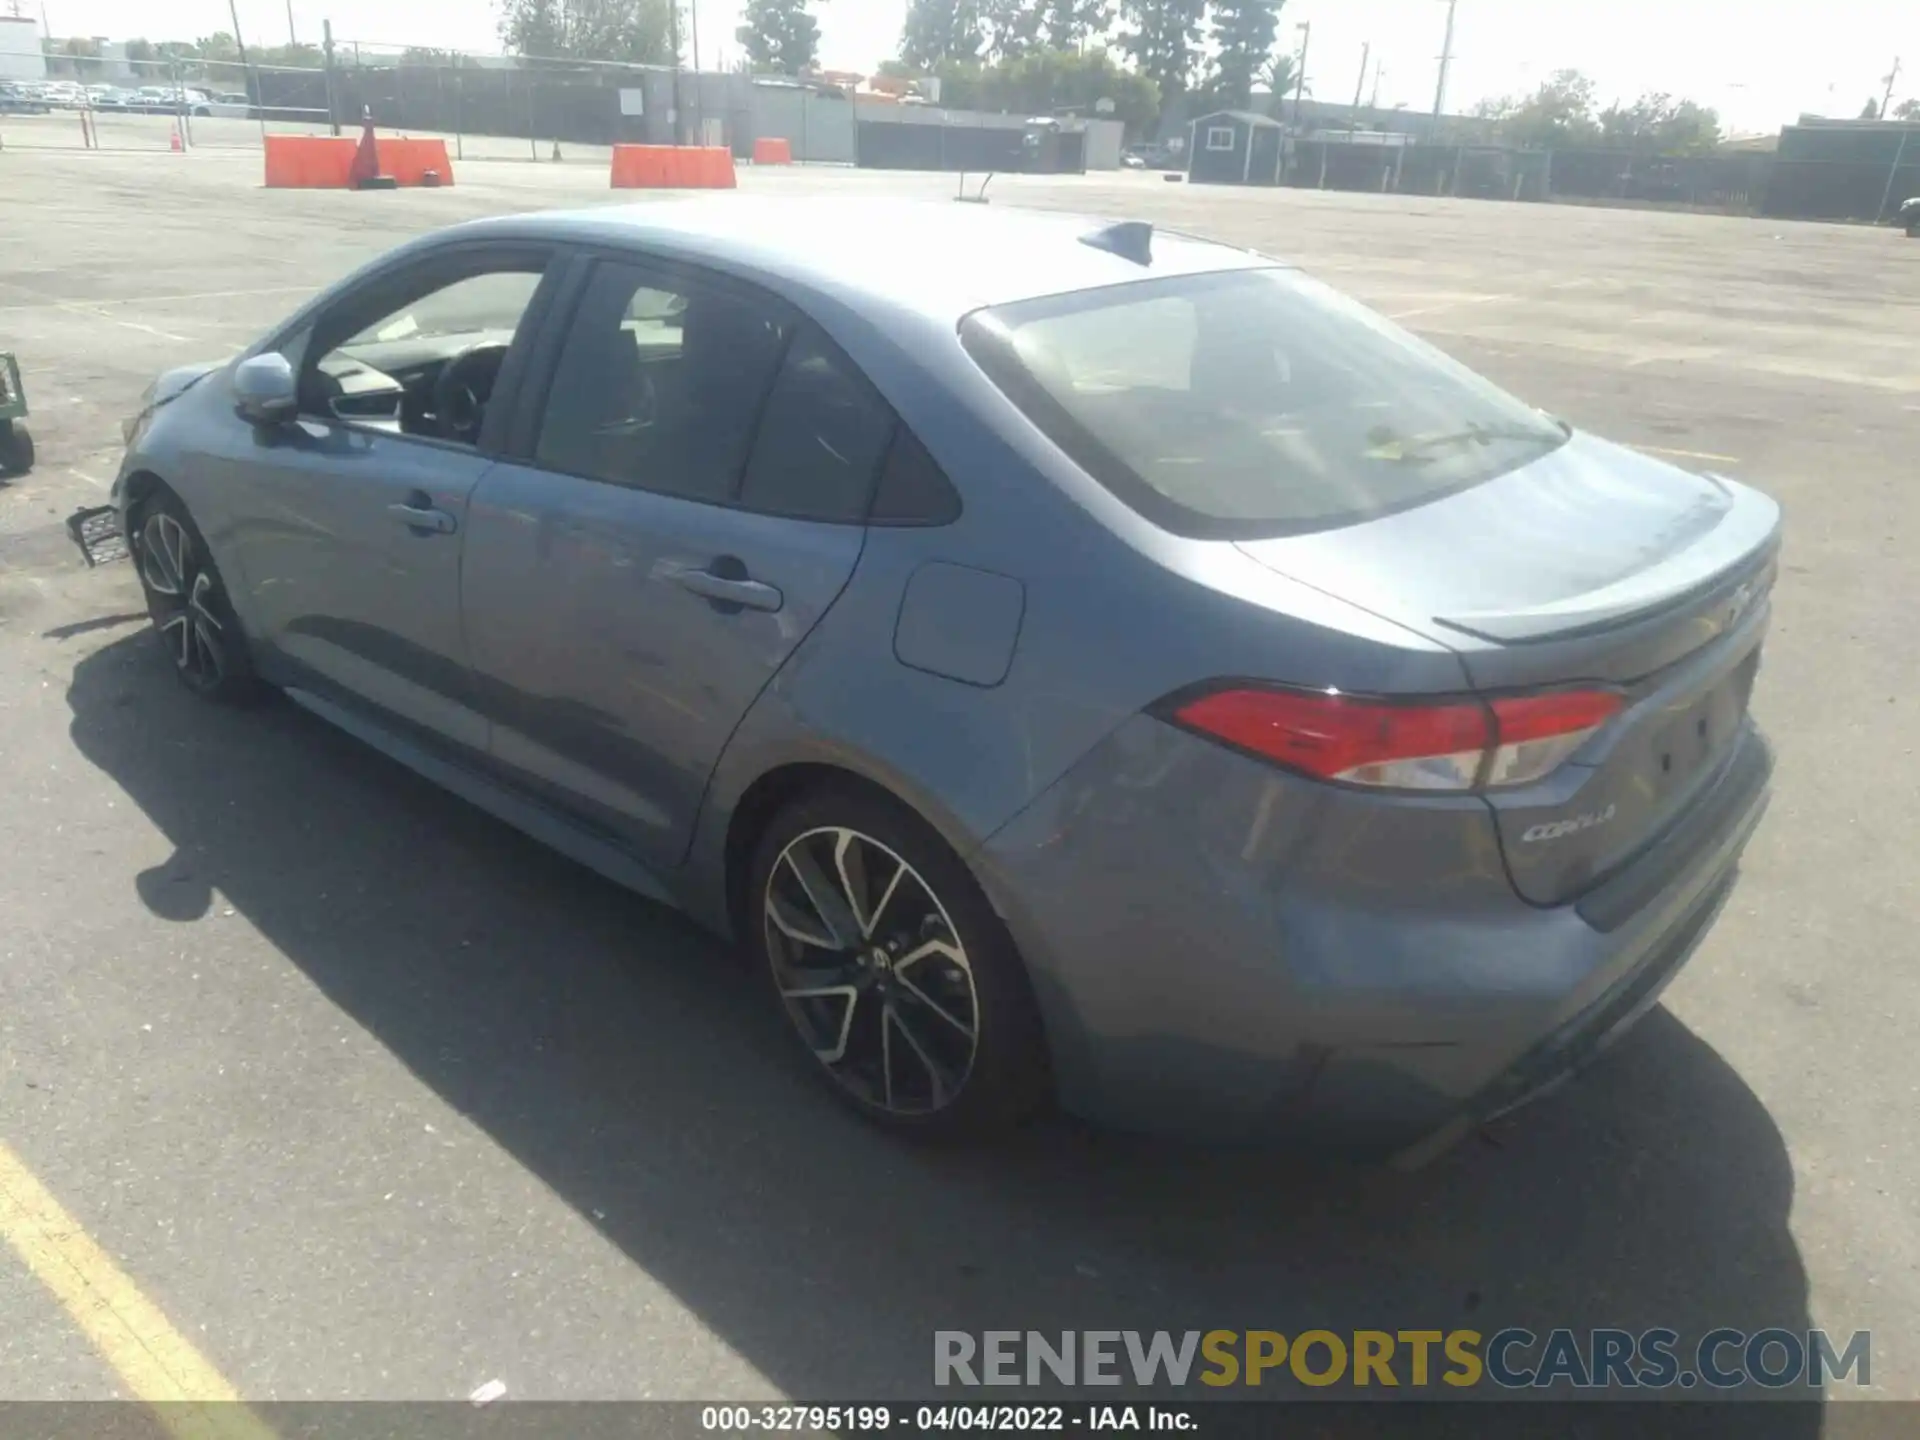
(364, 173)
(179, 145)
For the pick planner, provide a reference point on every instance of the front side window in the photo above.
(1251, 403)
(1220, 137)
(420, 354)
(659, 384)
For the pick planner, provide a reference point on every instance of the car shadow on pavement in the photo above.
(623, 1057)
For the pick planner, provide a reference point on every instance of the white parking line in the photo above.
(56, 304)
(1450, 305)
(92, 312)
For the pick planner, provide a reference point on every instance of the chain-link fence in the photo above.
(162, 104)
(1735, 183)
(484, 106)
(1845, 171)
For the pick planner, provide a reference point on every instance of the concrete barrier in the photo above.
(772, 150)
(672, 167)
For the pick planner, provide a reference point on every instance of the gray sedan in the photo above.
(1077, 663)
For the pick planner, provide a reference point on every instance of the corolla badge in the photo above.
(1560, 829)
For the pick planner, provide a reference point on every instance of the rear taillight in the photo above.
(1443, 745)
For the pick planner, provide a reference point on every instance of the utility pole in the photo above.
(1887, 99)
(1305, 27)
(673, 110)
(293, 37)
(1373, 101)
(233, 9)
(1366, 54)
(1446, 59)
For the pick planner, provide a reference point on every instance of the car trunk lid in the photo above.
(1591, 567)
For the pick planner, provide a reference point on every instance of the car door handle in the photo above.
(424, 517)
(729, 590)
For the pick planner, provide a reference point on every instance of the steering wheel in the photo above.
(461, 390)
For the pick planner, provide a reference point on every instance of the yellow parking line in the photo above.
(156, 1362)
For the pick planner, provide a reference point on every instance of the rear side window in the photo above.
(822, 435)
(913, 489)
(1251, 403)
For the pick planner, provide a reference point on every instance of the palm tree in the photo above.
(1283, 75)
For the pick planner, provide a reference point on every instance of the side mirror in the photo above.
(265, 391)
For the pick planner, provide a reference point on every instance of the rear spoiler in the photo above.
(1745, 537)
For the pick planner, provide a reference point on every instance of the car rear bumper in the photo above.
(1224, 951)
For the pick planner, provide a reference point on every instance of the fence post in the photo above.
(1893, 174)
(180, 107)
(533, 125)
(333, 108)
(459, 92)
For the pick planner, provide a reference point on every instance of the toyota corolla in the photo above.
(1076, 662)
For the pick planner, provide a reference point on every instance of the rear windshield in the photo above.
(1251, 403)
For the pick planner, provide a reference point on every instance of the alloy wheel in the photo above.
(183, 593)
(872, 971)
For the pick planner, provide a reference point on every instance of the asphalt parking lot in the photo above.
(372, 1098)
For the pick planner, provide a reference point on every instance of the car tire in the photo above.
(188, 603)
(909, 999)
(16, 448)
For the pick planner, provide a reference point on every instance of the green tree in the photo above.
(1163, 37)
(1048, 81)
(1013, 28)
(138, 50)
(1907, 110)
(1072, 24)
(941, 30)
(1657, 124)
(83, 56)
(1559, 113)
(1243, 34)
(780, 36)
(637, 31)
(304, 57)
(216, 47)
(1870, 110)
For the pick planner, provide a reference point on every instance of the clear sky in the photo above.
(1759, 62)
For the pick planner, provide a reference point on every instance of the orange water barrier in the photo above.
(325, 162)
(672, 167)
(772, 150)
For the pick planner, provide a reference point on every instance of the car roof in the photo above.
(942, 259)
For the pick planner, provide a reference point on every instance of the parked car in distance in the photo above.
(1072, 660)
(1909, 217)
(232, 106)
(64, 94)
(167, 100)
(21, 97)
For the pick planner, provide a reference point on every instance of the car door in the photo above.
(352, 518)
(691, 505)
